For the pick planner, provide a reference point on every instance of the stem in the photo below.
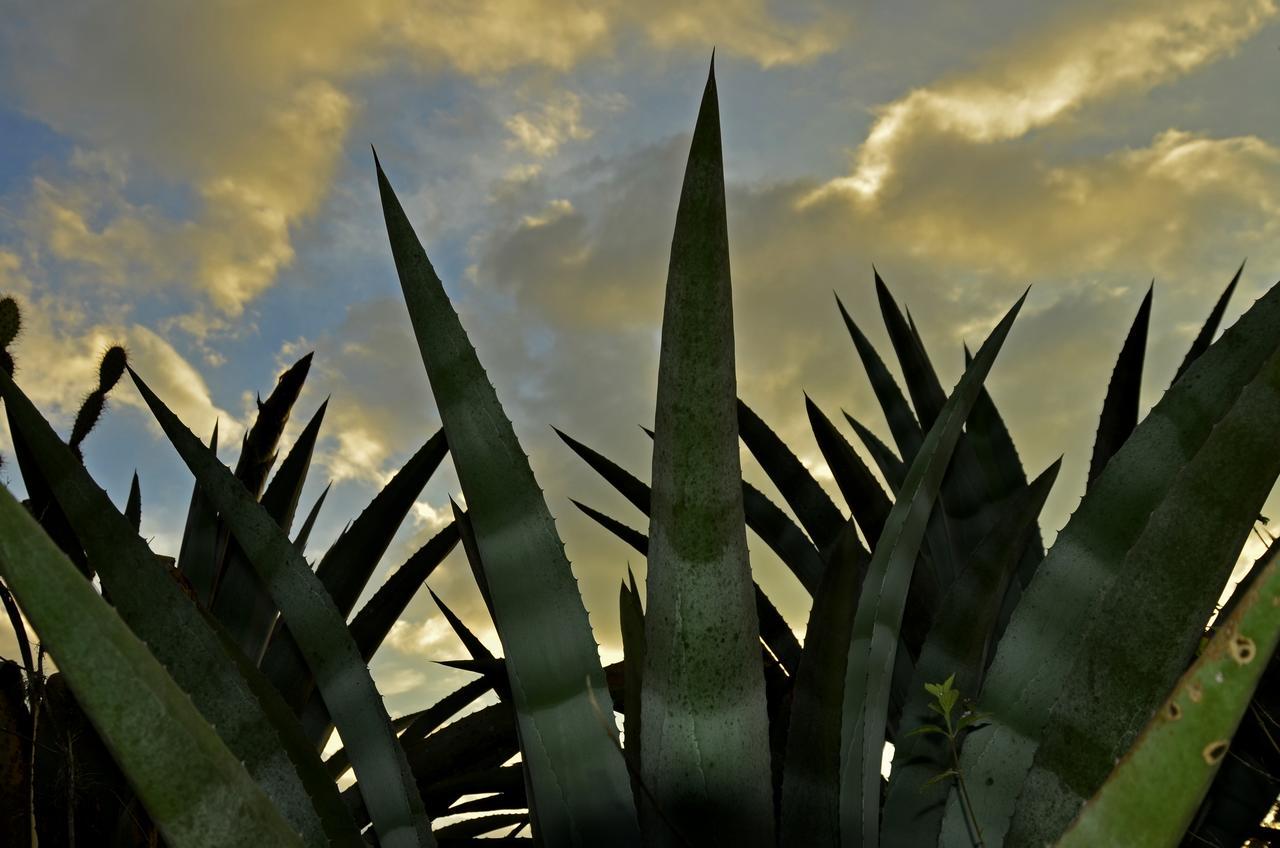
(965, 803)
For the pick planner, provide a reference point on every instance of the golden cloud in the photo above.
(1130, 49)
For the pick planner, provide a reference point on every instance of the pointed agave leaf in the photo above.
(958, 645)
(1088, 654)
(16, 747)
(1151, 796)
(1205, 337)
(806, 497)
(347, 566)
(867, 501)
(891, 468)
(1120, 408)
(810, 810)
(150, 601)
(183, 772)
(872, 651)
(133, 506)
(631, 620)
(705, 730)
(376, 618)
(926, 392)
(774, 630)
(258, 453)
(581, 792)
(902, 422)
(764, 517)
(374, 621)
(241, 602)
(196, 558)
(344, 682)
(629, 535)
(304, 532)
(469, 640)
(994, 450)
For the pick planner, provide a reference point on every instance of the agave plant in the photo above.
(934, 586)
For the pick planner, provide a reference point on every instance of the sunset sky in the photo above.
(195, 180)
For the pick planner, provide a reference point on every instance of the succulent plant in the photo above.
(212, 685)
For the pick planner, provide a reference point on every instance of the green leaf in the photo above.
(241, 602)
(1205, 337)
(197, 556)
(631, 621)
(582, 795)
(347, 565)
(375, 619)
(1116, 608)
(891, 468)
(1152, 794)
(872, 651)
(195, 790)
(133, 506)
(901, 420)
(810, 808)
(705, 722)
(150, 601)
(774, 630)
(867, 501)
(322, 635)
(763, 517)
(1120, 407)
(922, 383)
(806, 497)
(304, 532)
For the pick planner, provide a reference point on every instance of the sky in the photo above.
(194, 180)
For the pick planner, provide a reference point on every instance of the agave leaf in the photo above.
(705, 726)
(415, 726)
(343, 679)
(150, 601)
(868, 502)
(958, 645)
(810, 808)
(133, 506)
(1205, 337)
(1117, 606)
(258, 453)
(184, 774)
(380, 612)
(1153, 792)
(41, 502)
(631, 621)
(196, 557)
(764, 517)
(375, 619)
(774, 630)
(1120, 408)
(806, 497)
(347, 565)
(891, 468)
(872, 651)
(15, 758)
(583, 794)
(922, 383)
(241, 602)
(469, 640)
(304, 532)
(480, 825)
(902, 422)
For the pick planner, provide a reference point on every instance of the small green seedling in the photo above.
(945, 699)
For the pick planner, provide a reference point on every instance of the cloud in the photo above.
(60, 346)
(240, 114)
(1129, 49)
